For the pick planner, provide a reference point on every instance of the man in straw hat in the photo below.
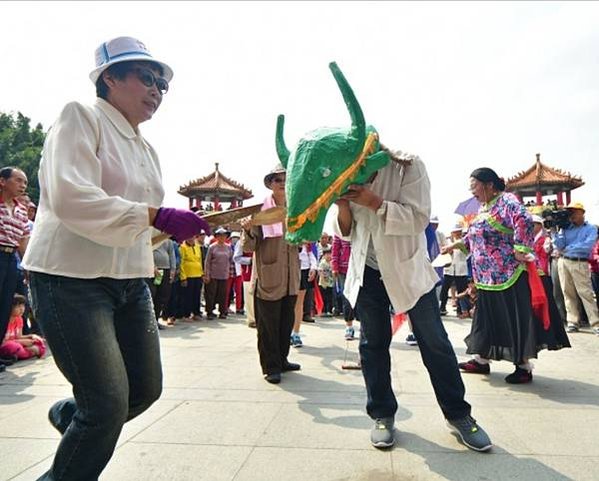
(575, 244)
(276, 280)
(101, 192)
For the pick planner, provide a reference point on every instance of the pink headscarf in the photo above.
(272, 230)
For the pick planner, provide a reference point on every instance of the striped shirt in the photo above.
(14, 226)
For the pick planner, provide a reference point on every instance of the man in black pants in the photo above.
(385, 220)
(14, 235)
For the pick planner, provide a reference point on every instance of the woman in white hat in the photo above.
(101, 192)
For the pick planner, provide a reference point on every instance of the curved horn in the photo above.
(355, 111)
(282, 150)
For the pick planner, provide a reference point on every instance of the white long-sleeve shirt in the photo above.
(459, 264)
(307, 260)
(397, 232)
(97, 178)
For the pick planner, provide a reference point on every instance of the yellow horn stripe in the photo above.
(311, 212)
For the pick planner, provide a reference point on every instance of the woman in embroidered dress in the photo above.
(500, 240)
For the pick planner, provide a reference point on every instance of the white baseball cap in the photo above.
(537, 219)
(124, 49)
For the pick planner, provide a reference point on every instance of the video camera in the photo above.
(559, 219)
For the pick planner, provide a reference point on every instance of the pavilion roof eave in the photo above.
(544, 187)
(190, 191)
(542, 178)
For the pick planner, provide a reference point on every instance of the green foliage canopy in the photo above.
(21, 146)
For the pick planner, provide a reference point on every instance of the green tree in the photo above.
(21, 146)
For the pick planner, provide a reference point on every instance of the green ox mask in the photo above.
(324, 163)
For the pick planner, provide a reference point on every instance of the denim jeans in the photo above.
(437, 353)
(104, 339)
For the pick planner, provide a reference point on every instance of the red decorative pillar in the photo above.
(216, 203)
(539, 198)
(560, 198)
(567, 197)
(233, 203)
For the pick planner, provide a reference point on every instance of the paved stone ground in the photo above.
(218, 420)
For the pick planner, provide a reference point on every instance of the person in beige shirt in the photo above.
(91, 251)
(276, 279)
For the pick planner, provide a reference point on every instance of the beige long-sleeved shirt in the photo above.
(276, 265)
(397, 232)
(97, 178)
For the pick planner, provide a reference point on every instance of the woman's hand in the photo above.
(522, 256)
(180, 223)
(246, 224)
(206, 279)
(448, 249)
(311, 275)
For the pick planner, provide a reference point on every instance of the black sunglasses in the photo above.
(279, 180)
(147, 77)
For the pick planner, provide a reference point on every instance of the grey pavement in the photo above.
(218, 420)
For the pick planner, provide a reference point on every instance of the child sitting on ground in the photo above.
(16, 345)
(468, 300)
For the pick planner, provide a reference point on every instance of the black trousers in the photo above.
(436, 350)
(461, 284)
(191, 296)
(327, 298)
(216, 293)
(161, 294)
(274, 322)
(8, 286)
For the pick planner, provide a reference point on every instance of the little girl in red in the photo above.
(15, 344)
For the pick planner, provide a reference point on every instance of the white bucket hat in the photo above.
(124, 49)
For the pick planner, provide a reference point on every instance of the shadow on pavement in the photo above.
(472, 466)
(564, 391)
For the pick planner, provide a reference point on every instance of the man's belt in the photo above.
(7, 249)
(576, 259)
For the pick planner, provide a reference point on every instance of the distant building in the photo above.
(210, 192)
(541, 180)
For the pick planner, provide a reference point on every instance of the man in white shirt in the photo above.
(385, 221)
(456, 273)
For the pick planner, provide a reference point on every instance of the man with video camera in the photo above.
(575, 242)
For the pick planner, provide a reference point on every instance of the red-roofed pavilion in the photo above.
(215, 188)
(540, 180)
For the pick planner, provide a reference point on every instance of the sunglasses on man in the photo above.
(147, 77)
(279, 180)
